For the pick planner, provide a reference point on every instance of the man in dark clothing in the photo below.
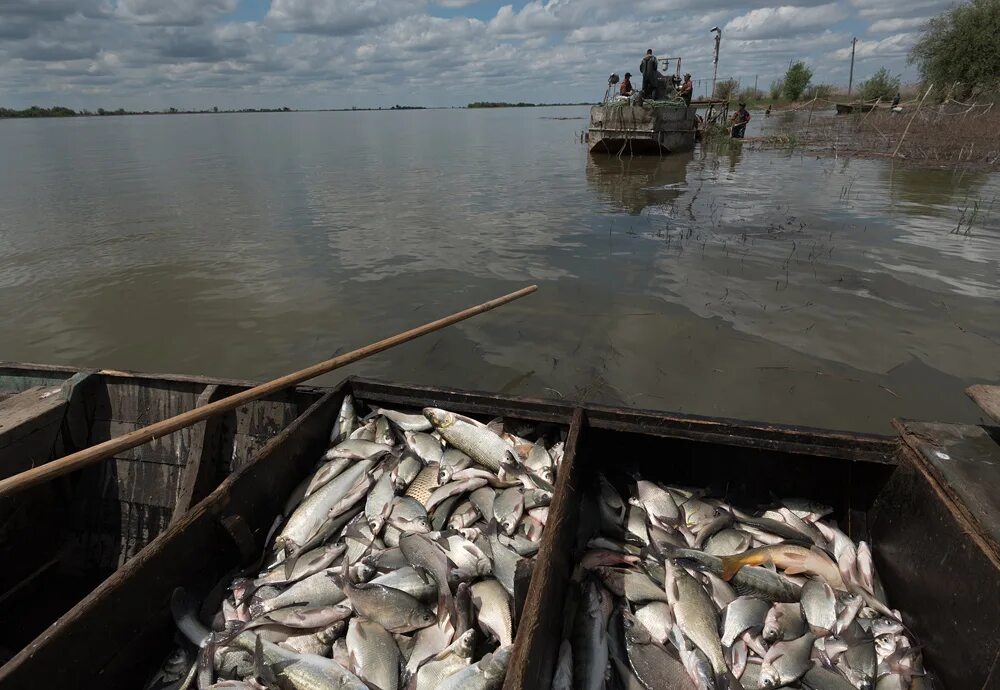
(647, 68)
(687, 88)
(626, 88)
(740, 120)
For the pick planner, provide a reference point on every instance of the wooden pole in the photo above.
(111, 447)
(912, 119)
(850, 79)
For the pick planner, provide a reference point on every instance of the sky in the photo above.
(156, 54)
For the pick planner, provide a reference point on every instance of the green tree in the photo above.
(880, 85)
(796, 80)
(777, 88)
(726, 89)
(959, 50)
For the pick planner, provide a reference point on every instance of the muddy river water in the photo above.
(768, 285)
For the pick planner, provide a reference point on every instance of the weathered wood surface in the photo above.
(963, 463)
(198, 477)
(30, 422)
(117, 633)
(936, 574)
(532, 663)
(988, 399)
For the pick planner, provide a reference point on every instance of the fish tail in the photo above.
(730, 566)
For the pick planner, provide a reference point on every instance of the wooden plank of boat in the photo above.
(963, 463)
(988, 399)
(64, 537)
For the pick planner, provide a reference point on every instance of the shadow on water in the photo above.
(632, 184)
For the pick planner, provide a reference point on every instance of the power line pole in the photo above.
(850, 80)
(755, 86)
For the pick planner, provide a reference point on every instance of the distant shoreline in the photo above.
(35, 112)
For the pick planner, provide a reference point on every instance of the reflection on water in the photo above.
(757, 284)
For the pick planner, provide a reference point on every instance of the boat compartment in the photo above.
(933, 571)
(204, 548)
(60, 539)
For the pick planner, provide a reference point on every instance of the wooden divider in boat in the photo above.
(933, 570)
(60, 539)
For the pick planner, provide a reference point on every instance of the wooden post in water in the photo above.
(850, 79)
(912, 119)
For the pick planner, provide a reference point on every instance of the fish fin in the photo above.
(289, 564)
(727, 681)
(730, 566)
(496, 426)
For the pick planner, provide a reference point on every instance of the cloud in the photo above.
(337, 17)
(328, 53)
(775, 22)
(897, 45)
(897, 25)
(173, 12)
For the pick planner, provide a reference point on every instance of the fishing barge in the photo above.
(934, 535)
(623, 128)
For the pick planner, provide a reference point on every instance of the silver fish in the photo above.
(492, 606)
(325, 473)
(373, 653)
(696, 616)
(784, 622)
(393, 609)
(540, 462)
(408, 515)
(820, 678)
(383, 432)
(404, 421)
(819, 606)
(378, 504)
(590, 639)
(508, 509)
(487, 674)
(428, 558)
(650, 660)
(428, 643)
(468, 561)
(408, 580)
(315, 642)
(744, 613)
(447, 663)
(465, 514)
(314, 591)
(365, 432)
(308, 563)
(424, 446)
(452, 461)
(455, 488)
(309, 517)
(357, 449)
(563, 678)
(301, 671)
(480, 444)
(346, 421)
(728, 542)
(406, 472)
(657, 619)
(786, 662)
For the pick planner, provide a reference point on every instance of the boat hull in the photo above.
(641, 130)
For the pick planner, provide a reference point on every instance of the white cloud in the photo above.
(897, 25)
(897, 45)
(173, 12)
(328, 53)
(775, 22)
(338, 17)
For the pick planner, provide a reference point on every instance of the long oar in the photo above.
(89, 456)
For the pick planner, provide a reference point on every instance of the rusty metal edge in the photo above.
(966, 519)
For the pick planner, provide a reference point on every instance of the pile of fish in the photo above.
(396, 564)
(682, 591)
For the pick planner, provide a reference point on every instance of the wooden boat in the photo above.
(848, 108)
(934, 565)
(60, 540)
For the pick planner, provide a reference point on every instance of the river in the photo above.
(768, 285)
